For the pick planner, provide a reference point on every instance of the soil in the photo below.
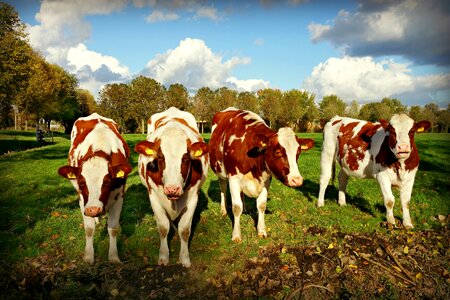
(398, 265)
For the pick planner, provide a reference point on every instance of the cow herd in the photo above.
(244, 153)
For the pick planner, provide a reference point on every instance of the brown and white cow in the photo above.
(385, 151)
(246, 152)
(98, 169)
(173, 164)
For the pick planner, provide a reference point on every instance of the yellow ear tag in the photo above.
(71, 175)
(149, 151)
(198, 153)
(304, 147)
(263, 144)
(420, 129)
(120, 174)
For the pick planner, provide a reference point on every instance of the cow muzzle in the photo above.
(93, 211)
(403, 150)
(296, 181)
(173, 192)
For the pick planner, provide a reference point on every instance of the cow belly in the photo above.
(365, 168)
(251, 186)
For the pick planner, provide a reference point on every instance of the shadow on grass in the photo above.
(310, 190)
(249, 203)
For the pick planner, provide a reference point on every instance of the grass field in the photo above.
(42, 234)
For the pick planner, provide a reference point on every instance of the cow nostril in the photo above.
(93, 211)
(296, 181)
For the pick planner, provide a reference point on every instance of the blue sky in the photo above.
(358, 50)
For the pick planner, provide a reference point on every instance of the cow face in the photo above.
(94, 181)
(401, 129)
(281, 152)
(171, 161)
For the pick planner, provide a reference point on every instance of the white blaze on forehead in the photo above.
(402, 125)
(173, 147)
(101, 138)
(287, 139)
(94, 171)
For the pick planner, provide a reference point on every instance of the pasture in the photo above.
(332, 252)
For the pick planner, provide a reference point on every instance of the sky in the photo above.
(357, 50)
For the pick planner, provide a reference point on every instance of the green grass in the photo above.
(39, 213)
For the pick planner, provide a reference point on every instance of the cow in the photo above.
(246, 153)
(384, 150)
(173, 164)
(98, 169)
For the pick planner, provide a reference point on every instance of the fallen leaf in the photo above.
(330, 246)
(55, 214)
(419, 275)
(338, 269)
(441, 218)
(114, 292)
(406, 250)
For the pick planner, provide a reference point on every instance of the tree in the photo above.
(270, 100)
(247, 101)
(224, 98)
(395, 106)
(431, 113)
(415, 112)
(331, 106)
(114, 102)
(177, 96)
(202, 107)
(353, 109)
(444, 120)
(311, 112)
(146, 94)
(15, 55)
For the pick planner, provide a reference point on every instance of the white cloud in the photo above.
(160, 16)
(415, 29)
(249, 85)
(365, 80)
(358, 78)
(207, 12)
(192, 64)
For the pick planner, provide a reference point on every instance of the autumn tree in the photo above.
(331, 106)
(176, 96)
(146, 94)
(247, 101)
(269, 101)
(14, 59)
(202, 107)
(114, 103)
(352, 110)
(224, 98)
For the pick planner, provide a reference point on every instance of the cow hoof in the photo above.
(88, 259)
(320, 204)
(408, 226)
(115, 260)
(163, 262)
(342, 203)
(186, 264)
(236, 239)
(262, 234)
(223, 211)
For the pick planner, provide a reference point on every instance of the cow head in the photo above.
(401, 129)
(172, 159)
(281, 151)
(94, 181)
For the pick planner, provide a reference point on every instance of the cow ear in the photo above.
(68, 172)
(422, 126)
(146, 148)
(384, 123)
(305, 144)
(121, 171)
(198, 149)
(260, 144)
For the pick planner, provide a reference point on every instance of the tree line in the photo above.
(33, 89)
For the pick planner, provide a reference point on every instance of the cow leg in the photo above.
(343, 181)
(163, 224)
(405, 197)
(261, 203)
(237, 207)
(223, 196)
(388, 196)
(113, 228)
(184, 229)
(326, 170)
(89, 229)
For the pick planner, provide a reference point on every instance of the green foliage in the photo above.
(177, 96)
(331, 106)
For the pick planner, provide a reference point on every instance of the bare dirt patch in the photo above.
(400, 264)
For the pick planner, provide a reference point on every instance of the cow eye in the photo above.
(278, 153)
(153, 166)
